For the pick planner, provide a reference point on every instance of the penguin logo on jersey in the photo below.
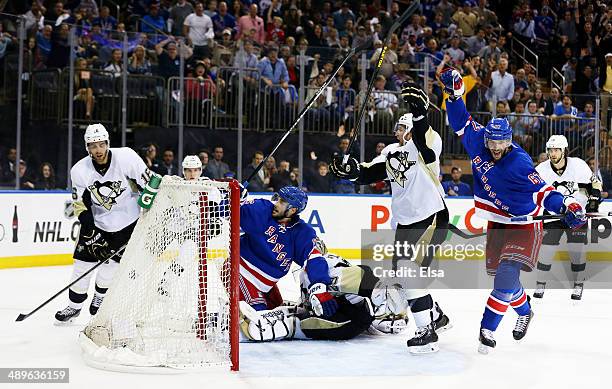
(397, 165)
(106, 192)
(567, 188)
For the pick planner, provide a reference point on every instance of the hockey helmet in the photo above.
(96, 133)
(192, 162)
(406, 121)
(498, 129)
(294, 196)
(557, 142)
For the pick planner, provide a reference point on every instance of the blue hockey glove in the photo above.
(574, 215)
(453, 83)
(322, 302)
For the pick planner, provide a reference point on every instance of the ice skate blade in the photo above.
(444, 328)
(484, 349)
(425, 349)
(63, 323)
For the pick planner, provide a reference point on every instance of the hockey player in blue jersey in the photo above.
(274, 237)
(505, 185)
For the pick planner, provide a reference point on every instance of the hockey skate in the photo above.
(577, 292)
(95, 304)
(425, 341)
(66, 315)
(539, 291)
(522, 323)
(443, 322)
(487, 341)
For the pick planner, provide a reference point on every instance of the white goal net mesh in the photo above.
(170, 302)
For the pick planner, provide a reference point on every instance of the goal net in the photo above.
(174, 301)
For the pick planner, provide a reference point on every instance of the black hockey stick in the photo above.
(452, 228)
(411, 10)
(307, 107)
(554, 217)
(22, 316)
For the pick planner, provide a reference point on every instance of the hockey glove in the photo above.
(350, 171)
(243, 192)
(416, 98)
(453, 83)
(574, 215)
(594, 195)
(96, 245)
(322, 302)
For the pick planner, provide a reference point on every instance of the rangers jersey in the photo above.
(505, 188)
(268, 247)
(415, 188)
(576, 172)
(111, 196)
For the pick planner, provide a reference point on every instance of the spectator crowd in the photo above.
(573, 37)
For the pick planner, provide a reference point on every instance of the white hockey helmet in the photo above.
(557, 142)
(96, 133)
(192, 162)
(406, 121)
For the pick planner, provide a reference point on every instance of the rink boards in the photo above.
(39, 229)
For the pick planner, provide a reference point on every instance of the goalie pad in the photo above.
(389, 324)
(389, 299)
(275, 324)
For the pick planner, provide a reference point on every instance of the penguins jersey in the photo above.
(111, 197)
(415, 188)
(576, 172)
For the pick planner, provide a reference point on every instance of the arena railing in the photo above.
(45, 94)
(145, 100)
(227, 99)
(279, 107)
(103, 85)
(199, 102)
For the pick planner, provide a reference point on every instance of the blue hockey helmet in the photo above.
(498, 129)
(294, 196)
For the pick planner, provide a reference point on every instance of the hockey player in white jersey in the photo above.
(362, 305)
(105, 191)
(417, 205)
(572, 177)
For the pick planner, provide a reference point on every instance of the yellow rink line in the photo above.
(351, 254)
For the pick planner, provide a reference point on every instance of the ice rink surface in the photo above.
(569, 345)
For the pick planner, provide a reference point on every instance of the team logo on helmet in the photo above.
(106, 192)
(397, 165)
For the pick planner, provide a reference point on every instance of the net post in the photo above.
(234, 321)
(202, 268)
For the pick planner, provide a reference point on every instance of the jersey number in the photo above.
(535, 178)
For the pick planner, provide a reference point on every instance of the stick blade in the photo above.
(21, 317)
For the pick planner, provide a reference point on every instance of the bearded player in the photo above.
(274, 237)
(505, 185)
(572, 177)
(105, 191)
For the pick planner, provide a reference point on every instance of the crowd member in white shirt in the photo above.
(198, 27)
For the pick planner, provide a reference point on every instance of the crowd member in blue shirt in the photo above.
(455, 187)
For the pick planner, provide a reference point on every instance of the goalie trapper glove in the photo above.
(97, 246)
(453, 83)
(321, 301)
(348, 171)
(416, 98)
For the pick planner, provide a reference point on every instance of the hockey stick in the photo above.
(22, 316)
(554, 217)
(452, 228)
(411, 9)
(310, 102)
